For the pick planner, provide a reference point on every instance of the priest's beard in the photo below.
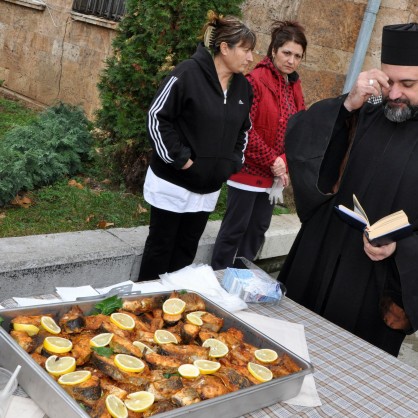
(399, 113)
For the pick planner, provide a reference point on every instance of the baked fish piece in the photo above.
(186, 396)
(87, 392)
(185, 353)
(107, 366)
(142, 304)
(73, 321)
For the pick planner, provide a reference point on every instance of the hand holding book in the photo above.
(390, 228)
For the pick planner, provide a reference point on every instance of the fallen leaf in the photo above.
(106, 181)
(74, 183)
(22, 201)
(89, 218)
(2, 215)
(141, 209)
(104, 224)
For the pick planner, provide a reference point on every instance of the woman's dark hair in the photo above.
(227, 29)
(285, 31)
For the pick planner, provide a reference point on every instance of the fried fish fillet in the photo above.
(87, 392)
(165, 363)
(141, 305)
(24, 340)
(108, 367)
(185, 353)
(73, 321)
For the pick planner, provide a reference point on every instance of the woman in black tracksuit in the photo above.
(198, 126)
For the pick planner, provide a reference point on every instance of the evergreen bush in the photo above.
(50, 147)
(153, 37)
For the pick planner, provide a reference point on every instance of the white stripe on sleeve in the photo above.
(154, 124)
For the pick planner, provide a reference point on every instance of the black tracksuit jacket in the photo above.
(189, 117)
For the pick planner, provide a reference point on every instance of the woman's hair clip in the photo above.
(208, 36)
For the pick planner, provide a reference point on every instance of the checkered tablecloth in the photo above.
(353, 378)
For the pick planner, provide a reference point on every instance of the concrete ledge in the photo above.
(37, 264)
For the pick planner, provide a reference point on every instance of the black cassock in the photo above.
(327, 269)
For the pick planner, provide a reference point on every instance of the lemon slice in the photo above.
(188, 371)
(58, 366)
(161, 336)
(217, 348)
(122, 320)
(30, 329)
(74, 378)
(261, 373)
(116, 407)
(143, 347)
(194, 319)
(199, 313)
(174, 306)
(101, 340)
(207, 366)
(139, 401)
(57, 345)
(50, 325)
(129, 363)
(265, 355)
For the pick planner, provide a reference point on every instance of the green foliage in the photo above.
(153, 37)
(109, 305)
(61, 208)
(13, 113)
(46, 149)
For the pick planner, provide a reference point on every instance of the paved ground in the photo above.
(409, 350)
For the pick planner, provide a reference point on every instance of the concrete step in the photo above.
(36, 264)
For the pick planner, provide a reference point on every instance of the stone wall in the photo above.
(332, 28)
(49, 53)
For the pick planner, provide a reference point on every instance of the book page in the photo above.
(353, 214)
(358, 209)
(390, 223)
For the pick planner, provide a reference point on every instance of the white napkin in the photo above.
(34, 301)
(201, 278)
(24, 407)
(291, 336)
(68, 294)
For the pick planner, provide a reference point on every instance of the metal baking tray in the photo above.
(56, 403)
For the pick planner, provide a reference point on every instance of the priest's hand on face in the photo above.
(378, 253)
(369, 83)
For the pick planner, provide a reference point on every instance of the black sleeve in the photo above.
(336, 153)
(316, 144)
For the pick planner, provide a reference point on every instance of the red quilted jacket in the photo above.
(274, 102)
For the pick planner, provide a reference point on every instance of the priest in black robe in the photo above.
(354, 144)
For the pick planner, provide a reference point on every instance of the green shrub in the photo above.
(50, 147)
(153, 37)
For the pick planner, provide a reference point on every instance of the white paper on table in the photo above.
(202, 279)
(34, 301)
(69, 294)
(291, 336)
(24, 407)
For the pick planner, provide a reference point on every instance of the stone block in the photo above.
(36, 264)
(333, 24)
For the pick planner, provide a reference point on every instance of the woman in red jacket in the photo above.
(253, 191)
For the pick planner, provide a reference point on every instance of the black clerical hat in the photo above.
(400, 44)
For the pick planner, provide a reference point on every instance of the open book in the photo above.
(388, 229)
